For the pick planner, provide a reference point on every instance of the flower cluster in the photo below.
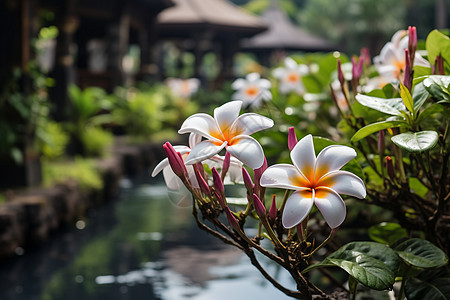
(315, 180)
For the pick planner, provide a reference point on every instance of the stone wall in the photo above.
(30, 216)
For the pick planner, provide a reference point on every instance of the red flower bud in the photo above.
(412, 43)
(218, 184)
(390, 168)
(292, 138)
(409, 72)
(259, 207)
(226, 165)
(232, 219)
(175, 161)
(202, 183)
(273, 209)
(381, 142)
(247, 181)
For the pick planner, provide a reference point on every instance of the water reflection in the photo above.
(140, 246)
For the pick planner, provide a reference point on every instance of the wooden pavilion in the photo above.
(282, 35)
(201, 26)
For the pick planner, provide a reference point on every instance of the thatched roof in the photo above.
(189, 17)
(284, 35)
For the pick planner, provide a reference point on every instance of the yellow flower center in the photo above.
(251, 91)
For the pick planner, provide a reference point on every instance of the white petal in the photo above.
(191, 175)
(159, 167)
(344, 182)
(420, 61)
(247, 150)
(173, 182)
(332, 158)
(202, 151)
(303, 157)
(266, 95)
(283, 176)
(279, 72)
(298, 206)
(250, 123)
(252, 77)
(290, 63)
(238, 84)
(303, 69)
(331, 206)
(264, 84)
(194, 139)
(226, 114)
(201, 124)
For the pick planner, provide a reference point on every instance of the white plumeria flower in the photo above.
(315, 181)
(174, 183)
(290, 77)
(227, 130)
(252, 90)
(390, 63)
(183, 88)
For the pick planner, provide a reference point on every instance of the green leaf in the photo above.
(387, 233)
(438, 87)
(375, 127)
(429, 111)
(416, 141)
(421, 253)
(388, 106)
(437, 43)
(430, 285)
(406, 97)
(371, 264)
(420, 95)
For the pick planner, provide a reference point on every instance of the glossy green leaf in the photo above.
(437, 43)
(406, 97)
(371, 264)
(416, 141)
(429, 285)
(421, 253)
(375, 127)
(429, 111)
(388, 106)
(387, 233)
(438, 86)
(420, 95)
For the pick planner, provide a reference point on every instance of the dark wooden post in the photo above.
(64, 71)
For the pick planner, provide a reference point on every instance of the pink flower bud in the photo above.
(175, 161)
(226, 165)
(412, 43)
(439, 70)
(218, 184)
(258, 173)
(381, 142)
(340, 73)
(273, 209)
(292, 138)
(390, 167)
(247, 181)
(407, 81)
(221, 200)
(232, 219)
(357, 69)
(365, 56)
(202, 183)
(259, 207)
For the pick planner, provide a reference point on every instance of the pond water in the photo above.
(139, 246)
